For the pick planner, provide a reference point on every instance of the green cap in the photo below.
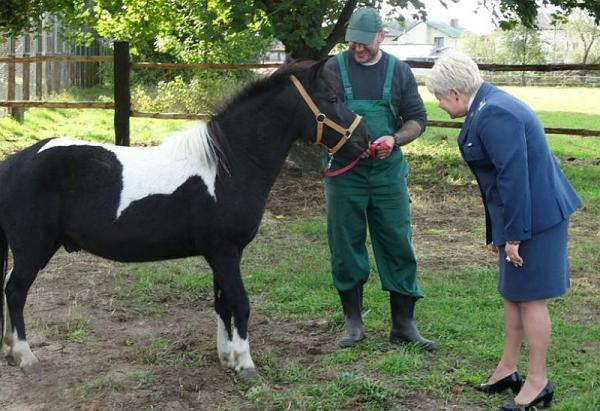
(364, 25)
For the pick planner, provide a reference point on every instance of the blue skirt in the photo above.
(545, 270)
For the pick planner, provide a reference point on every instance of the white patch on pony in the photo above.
(21, 353)
(15, 350)
(7, 341)
(241, 352)
(224, 345)
(160, 169)
(235, 353)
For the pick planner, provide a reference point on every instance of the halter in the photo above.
(322, 119)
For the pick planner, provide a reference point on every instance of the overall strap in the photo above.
(348, 94)
(389, 75)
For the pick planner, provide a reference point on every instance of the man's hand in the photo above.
(382, 147)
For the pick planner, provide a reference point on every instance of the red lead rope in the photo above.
(372, 151)
(329, 173)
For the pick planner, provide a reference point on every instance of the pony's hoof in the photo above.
(227, 361)
(33, 371)
(249, 375)
(11, 360)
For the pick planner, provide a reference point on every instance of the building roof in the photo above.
(412, 25)
(447, 29)
(390, 32)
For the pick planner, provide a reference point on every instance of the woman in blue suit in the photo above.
(527, 201)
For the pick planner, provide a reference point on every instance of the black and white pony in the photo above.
(201, 192)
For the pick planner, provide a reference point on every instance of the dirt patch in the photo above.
(130, 361)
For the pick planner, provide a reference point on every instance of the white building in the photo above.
(425, 40)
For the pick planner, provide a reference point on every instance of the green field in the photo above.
(557, 108)
(286, 272)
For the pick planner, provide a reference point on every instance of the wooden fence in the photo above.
(44, 70)
(122, 67)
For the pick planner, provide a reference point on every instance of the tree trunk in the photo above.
(299, 49)
(305, 159)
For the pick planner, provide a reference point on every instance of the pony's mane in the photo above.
(264, 84)
(194, 141)
(294, 67)
(219, 144)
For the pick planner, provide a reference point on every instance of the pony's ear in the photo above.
(316, 70)
(294, 67)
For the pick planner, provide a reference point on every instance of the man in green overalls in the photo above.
(374, 193)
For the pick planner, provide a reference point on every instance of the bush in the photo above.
(198, 95)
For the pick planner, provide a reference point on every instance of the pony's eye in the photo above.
(333, 99)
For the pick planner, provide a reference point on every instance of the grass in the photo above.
(436, 150)
(73, 331)
(556, 108)
(86, 124)
(462, 312)
(287, 267)
(116, 382)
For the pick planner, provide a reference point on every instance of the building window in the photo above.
(438, 42)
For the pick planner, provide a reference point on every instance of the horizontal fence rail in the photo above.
(515, 67)
(538, 67)
(549, 130)
(57, 58)
(171, 116)
(411, 63)
(199, 66)
(57, 104)
(123, 65)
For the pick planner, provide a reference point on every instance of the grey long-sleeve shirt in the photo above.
(367, 84)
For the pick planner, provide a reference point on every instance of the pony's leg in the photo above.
(7, 337)
(231, 300)
(224, 331)
(17, 350)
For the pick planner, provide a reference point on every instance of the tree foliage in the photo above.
(310, 29)
(582, 29)
(521, 45)
(19, 16)
(205, 30)
(191, 30)
(483, 49)
(510, 13)
(518, 45)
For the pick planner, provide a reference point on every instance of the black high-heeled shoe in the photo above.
(512, 381)
(544, 397)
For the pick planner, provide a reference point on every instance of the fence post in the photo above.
(50, 65)
(26, 67)
(15, 112)
(121, 67)
(57, 66)
(26, 70)
(39, 79)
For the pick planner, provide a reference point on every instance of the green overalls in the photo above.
(374, 191)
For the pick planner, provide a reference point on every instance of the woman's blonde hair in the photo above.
(454, 70)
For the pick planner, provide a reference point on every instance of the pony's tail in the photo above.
(3, 270)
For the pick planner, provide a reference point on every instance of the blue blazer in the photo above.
(523, 189)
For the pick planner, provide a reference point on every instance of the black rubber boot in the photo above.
(352, 305)
(403, 325)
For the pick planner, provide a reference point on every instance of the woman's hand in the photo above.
(493, 248)
(512, 254)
